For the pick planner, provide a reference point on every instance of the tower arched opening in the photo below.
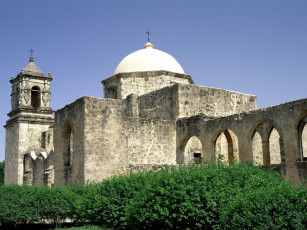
(35, 97)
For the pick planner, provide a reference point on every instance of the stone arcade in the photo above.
(151, 115)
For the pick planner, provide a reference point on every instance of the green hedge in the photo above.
(106, 203)
(204, 196)
(29, 204)
(218, 197)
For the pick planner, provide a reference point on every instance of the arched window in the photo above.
(226, 146)
(35, 97)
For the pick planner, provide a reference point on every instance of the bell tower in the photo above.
(30, 117)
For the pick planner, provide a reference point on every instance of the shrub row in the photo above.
(31, 204)
(205, 196)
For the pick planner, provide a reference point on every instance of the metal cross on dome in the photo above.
(31, 50)
(148, 34)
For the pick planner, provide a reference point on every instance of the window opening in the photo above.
(35, 97)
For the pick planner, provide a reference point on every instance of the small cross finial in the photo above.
(148, 34)
(31, 58)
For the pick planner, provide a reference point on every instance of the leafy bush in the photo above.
(29, 204)
(279, 207)
(106, 202)
(204, 196)
(215, 196)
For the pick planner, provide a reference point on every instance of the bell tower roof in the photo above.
(32, 69)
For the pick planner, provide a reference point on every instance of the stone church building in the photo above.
(151, 115)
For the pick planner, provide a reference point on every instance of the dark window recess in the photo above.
(112, 92)
(43, 141)
(35, 97)
(197, 157)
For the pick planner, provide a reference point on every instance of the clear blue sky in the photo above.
(255, 47)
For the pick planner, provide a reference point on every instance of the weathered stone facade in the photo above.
(148, 119)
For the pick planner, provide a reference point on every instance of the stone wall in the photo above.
(38, 169)
(38, 163)
(13, 172)
(214, 102)
(184, 100)
(160, 104)
(22, 138)
(150, 141)
(110, 140)
(285, 119)
(105, 149)
(142, 82)
(69, 122)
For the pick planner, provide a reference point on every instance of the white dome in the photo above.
(148, 59)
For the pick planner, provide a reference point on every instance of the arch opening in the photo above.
(274, 147)
(257, 149)
(226, 147)
(193, 151)
(302, 137)
(35, 97)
